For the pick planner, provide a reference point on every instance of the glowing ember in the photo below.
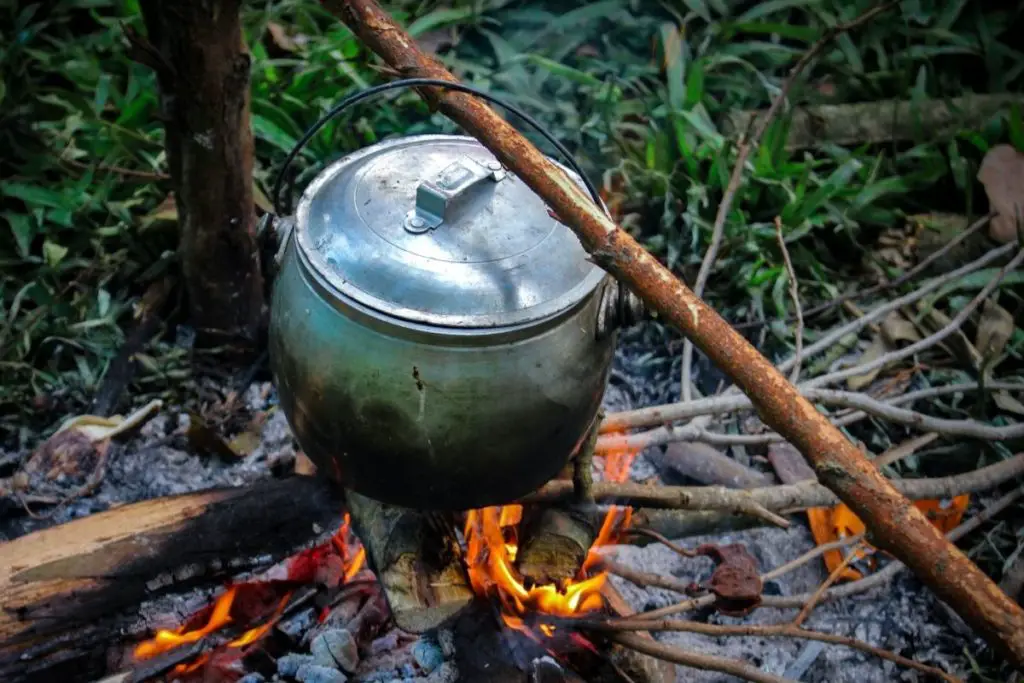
(492, 543)
(301, 570)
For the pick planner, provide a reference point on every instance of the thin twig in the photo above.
(119, 170)
(833, 576)
(888, 284)
(651, 533)
(905, 449)
(794, 294)
(811, 554)
(676, 655)
(769, 631)
(927, 342)
(645, 579)
(748, 145)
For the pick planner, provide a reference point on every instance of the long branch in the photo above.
(895, 524)
(654, 415)
(788, 497)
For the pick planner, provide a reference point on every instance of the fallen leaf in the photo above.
(1002, 175)
(99, 428)
(166, 211)
(994, 330)
(1008, 403)
(957, 344)
(876, 350)
(895, 329)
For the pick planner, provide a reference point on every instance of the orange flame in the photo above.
(492, 543)
(353, 557)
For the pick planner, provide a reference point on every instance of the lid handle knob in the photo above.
(435, 198)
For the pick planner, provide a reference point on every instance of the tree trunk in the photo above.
(203, 69)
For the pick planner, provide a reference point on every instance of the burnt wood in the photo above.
(70, 591)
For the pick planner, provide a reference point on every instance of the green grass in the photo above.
(637, 90)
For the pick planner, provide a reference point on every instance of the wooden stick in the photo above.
(787, 497)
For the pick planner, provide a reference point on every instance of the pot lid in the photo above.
(431, 229)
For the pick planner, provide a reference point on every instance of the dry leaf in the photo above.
(877, 349)
(957, 343)
(895, 329)
(1002, 174)
(166, 211)
(203, 439)
(1008, 403)
(99, 428)
(994, 330)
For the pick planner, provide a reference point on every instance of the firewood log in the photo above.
(70, 591)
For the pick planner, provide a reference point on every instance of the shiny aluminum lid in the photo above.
(432, 230)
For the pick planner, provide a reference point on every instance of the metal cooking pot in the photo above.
(438, 339)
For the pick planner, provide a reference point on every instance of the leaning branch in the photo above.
(895, 524)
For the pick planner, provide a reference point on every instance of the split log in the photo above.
(553, 549)
(416, 561)
(895, 524)
(70, 591)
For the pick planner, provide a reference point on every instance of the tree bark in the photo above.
(896, 526)
(202, 67)
(70, 591)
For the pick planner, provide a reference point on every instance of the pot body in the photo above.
(432, 417)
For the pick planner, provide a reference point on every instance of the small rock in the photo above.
(289, 665)
(252, 678)
(336, 648)
(313, 673)
(446, 673)
(446, 639)
(428, 656)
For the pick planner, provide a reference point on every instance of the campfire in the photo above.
(240, 618)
